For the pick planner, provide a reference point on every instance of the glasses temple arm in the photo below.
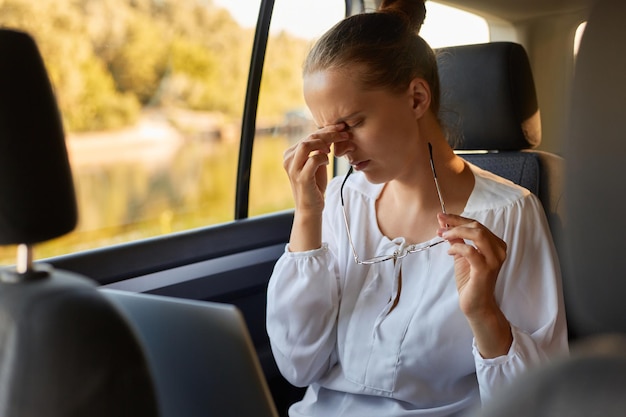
(345, 216)
(344, 183)
(432, 167)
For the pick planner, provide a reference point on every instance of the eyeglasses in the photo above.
(397, 254)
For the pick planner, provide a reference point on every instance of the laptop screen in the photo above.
(201, 356)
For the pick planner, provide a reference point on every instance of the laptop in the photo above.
(201, 356)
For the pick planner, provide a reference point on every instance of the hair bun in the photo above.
(412, 10)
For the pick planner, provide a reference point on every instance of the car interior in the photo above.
(44, 367)
(522, 106)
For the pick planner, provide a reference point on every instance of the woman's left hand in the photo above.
(476, 269)
(476, 265)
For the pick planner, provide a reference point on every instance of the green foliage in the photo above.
(86, 94)
(281, 85)
(193, 71)
(139, 64)
(109, 58)
(99, 106)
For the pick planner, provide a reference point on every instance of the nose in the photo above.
(343, 148)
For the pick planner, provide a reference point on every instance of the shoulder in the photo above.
(510, 211)
(492, 192)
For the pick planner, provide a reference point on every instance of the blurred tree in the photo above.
(82, 84)
(193, 72)
(108, 58)
(197, 24)
(281, 86)
(100, 106)
(140, 61)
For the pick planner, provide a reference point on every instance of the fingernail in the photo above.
(344, 135)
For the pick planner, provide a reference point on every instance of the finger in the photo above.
(469, 252)
(469, 231)
(337, 127)
(288, 155)
(327, 135)
(297, 156)
(332, 133)
(313, 163)
(480, 263)
(452, 220)
(458, 227)
(449, 225)
(331, 137)
(486, 243)
(318, 142)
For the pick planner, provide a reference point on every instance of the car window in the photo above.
(151, 94)
(449, 26)
(282, 117)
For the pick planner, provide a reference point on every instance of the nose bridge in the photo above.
(345, 147)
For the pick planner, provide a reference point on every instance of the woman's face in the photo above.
(384, 132)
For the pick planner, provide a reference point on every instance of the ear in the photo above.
(419, 91)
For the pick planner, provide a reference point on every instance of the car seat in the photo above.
(64, 349)
(596, 154)
(593, 380)
(489, 108)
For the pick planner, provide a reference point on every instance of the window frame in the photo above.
(244, 235)
(248, 124)
(248, 127)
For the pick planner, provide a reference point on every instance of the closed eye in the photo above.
(353, 125)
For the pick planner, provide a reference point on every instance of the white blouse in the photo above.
(332, 326)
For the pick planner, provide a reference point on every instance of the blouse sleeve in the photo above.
(303, 302)
(529, 292)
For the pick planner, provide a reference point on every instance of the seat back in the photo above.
(489, 108)
(596, 154)
(593, 380)
(64, 349)
(590, 382)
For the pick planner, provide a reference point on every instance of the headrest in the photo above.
(488, 98)
(37, 200)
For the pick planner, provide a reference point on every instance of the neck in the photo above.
(417, 185)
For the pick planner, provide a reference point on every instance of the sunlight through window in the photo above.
(447, 26)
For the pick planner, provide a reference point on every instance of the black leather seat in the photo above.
(592, 382)
(595, 185)
(489, 107)
(64, 349)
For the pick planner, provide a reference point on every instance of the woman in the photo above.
(384, 303)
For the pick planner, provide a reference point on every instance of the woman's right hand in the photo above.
(305, 163)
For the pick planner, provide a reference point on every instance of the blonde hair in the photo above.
(386, 46)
